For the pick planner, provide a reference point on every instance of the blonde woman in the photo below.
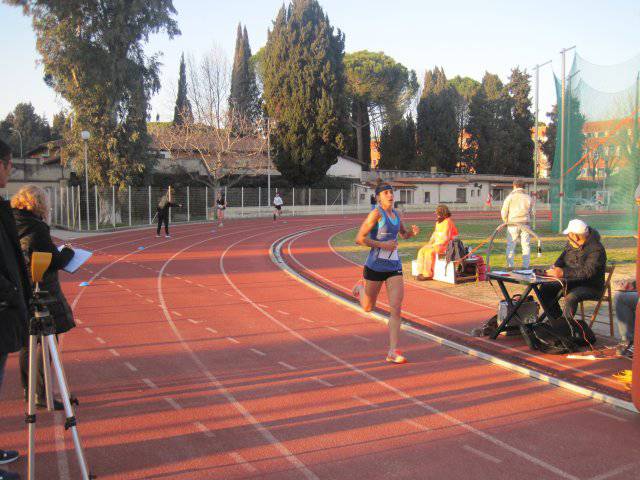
(30, 210)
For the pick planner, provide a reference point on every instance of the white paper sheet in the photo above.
(79, 257)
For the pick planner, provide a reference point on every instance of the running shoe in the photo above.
(628, 352)
(8, 456)
(394, 356)
(167, 236)
(356, 288)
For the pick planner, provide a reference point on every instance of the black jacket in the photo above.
(34, 236)
(584, 266)
(14, 310)
(164, 205)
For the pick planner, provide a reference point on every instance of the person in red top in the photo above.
(444, 231)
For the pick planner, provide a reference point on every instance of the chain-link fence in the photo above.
(101, 208)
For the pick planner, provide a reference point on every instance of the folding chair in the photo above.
(606, 297)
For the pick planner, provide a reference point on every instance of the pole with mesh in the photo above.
(95, 194)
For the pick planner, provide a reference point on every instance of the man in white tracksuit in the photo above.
(516, 209)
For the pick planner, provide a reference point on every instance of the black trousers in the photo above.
(163, 217)
(24, 370)
(574, 296)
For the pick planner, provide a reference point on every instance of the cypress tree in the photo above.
(398, 145)
(182, 112)
(244, 99)
(304, 85)
(519, 87)
(436, 130)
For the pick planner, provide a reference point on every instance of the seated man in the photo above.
(445, 230)
(581, 266)
(625, 303)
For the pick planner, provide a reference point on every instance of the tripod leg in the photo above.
(46, 368)
(70, 422)
(30, 419)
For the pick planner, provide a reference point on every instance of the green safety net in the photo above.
(599, 173)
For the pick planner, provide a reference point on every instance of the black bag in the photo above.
(455, 252)
(542, 337)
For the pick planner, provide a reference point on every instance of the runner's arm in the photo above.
(405, 234)
(362, 238)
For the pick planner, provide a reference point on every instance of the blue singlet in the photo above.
(387, 229)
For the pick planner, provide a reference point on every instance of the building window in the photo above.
(461, 195)
(406, 196)
(427, 197)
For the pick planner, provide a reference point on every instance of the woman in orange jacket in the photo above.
(445, 230)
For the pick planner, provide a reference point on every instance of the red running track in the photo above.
(197, 357)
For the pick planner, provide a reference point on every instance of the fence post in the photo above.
(309, 199)
(129, 188)
(341, 203)
(61, 217)
(188, 205)
(259, 201)
(79, 200)
(149, 204)
(226, 197)
(326, 200)
(242, 201)
(206, 203)
(113, 205)
(293, 203)
(73, 208)
(68, 209)
(357, 200)
(95, 192)
(55, 207)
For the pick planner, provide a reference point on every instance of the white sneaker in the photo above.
(167, 236)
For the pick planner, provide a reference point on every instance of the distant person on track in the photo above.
(31, 210)
(516, 209)
(373, 201)
(379, 232)
(277, 205)
(162, 211)
(445, 231)
(221, 206)
(15, 291)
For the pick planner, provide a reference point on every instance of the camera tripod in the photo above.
(41, 327)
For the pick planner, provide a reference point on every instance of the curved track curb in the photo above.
(411, 327)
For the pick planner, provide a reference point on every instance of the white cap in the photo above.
(576, 226)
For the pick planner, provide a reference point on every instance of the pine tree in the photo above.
(549, 146)
(304, 84)
(182, 112)
(437, 127)
(24, 123)
(244, 98)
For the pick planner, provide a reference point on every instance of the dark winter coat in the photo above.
(34, 236)
(584, 266)
(164, 204)
(15, 290)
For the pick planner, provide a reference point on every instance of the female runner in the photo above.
(380, 232)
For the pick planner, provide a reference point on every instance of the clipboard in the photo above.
(79, 257)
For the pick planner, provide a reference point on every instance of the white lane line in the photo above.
(262, 306)
(63, 462)
(187, 280)
(114, 352)
(150, 384)
(149, 300)
(179, 278)
(195, 322)
(100, 340)
(365, 401)
(334, 329)
(283, 313)
(306, 320)
(130, 367)
(88, 330)
(231, 339)
(79, 322)
(417, 425)
(616, 471)
(258, 352)
(365, 339)
(177, 314)
(201, 285)
(264, 431)
(119, 285)
(211, 330)
(322, 381)
(228, 294)
(481, 454)
(128, 290)
(175, 405)
(138, 295)
(242, 462)
(287, 366)
(400, 393)
(112, 282)
(605, 414)
(203, 428)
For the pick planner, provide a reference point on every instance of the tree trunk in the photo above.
(362, 122)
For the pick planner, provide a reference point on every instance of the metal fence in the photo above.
(74, 208)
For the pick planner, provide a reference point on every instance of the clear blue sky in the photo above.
(465, 37)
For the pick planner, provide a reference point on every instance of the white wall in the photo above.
(345, 168)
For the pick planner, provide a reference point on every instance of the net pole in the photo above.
(635, 375)
(536, 143)
(95, 195)
(562, 133)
